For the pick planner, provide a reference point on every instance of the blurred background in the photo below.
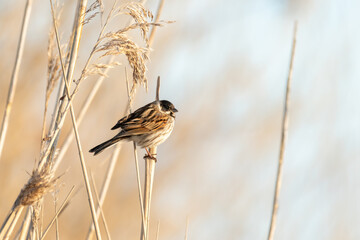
(224, 65)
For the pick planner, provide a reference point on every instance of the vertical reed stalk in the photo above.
(143, 226)
(57, 213)
(149, 180)
(15, 73)
(9, 225)
(149, 177)
(159, 10)
(81, 116)
(26, 224)
(157, 231)
(100, 207)
(73, 56)
(284, 132)
(187, 228)
(105, 187)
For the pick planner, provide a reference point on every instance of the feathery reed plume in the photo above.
(95, 8)
(40, 182)
(118, 43)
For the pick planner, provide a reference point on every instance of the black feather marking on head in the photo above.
(167, 106)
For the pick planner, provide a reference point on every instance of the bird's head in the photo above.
(168, 108)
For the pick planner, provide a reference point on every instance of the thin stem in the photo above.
(149, 176)
(15, 73)
(100, 207)
(81, 116)
(105, 186)
(284, 131)
(82, 8)
(60, 110)
(158, 89)
(25, 226)
(149, 180)
(187, 228)
(57, 213)
(158, 13)
(143, 225)
(157, 230)
(14, 218)
(56, 221)
(59, 104)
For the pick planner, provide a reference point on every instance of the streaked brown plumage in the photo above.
(148, 126)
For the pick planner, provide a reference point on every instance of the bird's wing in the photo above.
(120, 123)
(143, 126)
(134, 117)
(158, 123)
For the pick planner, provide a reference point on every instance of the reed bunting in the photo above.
(148, 126)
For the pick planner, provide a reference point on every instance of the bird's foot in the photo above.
(149, 155)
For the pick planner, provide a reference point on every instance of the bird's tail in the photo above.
(99, 148)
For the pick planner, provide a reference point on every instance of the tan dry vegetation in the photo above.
(218, 167)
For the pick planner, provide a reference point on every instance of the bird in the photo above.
(148, 127)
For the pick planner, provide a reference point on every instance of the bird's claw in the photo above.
(149, 156)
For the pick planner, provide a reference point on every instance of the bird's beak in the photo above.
(175, 110)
